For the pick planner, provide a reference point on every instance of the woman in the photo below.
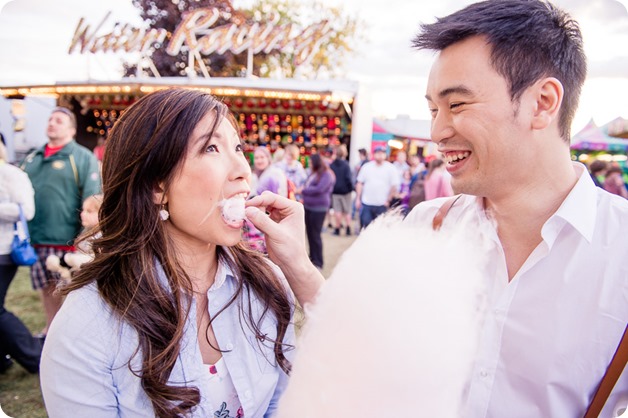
(292, 167)
(173, 317)
(316, 201)
(437, 183)
(15, 339)
(614, 182)
(269, 177)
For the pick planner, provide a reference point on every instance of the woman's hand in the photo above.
(282, 222)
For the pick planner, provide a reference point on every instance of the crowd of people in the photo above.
(176, 314)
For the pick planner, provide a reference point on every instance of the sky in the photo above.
(35, 36)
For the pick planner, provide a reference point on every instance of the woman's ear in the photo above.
(159, 195)
(549, 94)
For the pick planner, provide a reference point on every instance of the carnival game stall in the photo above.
(592, 142)
(273, 113)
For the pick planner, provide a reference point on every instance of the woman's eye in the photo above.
(239, 148)
(211, 148)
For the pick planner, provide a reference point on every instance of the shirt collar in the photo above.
(223, 272)
(579, 208)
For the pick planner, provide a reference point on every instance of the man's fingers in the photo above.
(260, 220)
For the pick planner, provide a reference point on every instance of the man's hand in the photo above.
(282, 222)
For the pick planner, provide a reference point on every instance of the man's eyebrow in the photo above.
(452, 90)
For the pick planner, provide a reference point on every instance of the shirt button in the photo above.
(497, 312)
(229, 346)
(483, 373)
(247, 394)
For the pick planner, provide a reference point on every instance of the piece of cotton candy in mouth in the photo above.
(233, 209)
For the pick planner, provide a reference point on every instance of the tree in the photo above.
(328, 59)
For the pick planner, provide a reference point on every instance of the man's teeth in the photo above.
(454, 158)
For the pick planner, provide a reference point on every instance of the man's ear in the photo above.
(548, 97)
(159, 195)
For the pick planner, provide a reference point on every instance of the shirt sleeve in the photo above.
(76, 365)
(20, 191)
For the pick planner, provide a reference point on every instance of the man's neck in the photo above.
(58, 142)
(520, 215)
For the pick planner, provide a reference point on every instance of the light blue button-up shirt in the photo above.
(84, 367)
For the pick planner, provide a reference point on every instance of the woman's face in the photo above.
(214, 169)
(261, 161)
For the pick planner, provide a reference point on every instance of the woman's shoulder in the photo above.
(83, 312)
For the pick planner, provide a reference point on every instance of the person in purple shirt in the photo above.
(316, 200)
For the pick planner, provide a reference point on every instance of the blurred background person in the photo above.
(401, 163)
(268, 176)
(341, 199)
(316, 200)
(614, 181)
(597, 169)
(63, 174)
(16, 341)
(293, 169)
(437, 180)
(377, 185)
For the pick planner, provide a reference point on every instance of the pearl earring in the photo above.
(163, 214)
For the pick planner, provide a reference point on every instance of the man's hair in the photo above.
(68, 113)
(341, 152)
(597, 166)
(530, 39)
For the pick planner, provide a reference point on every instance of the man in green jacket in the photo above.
(63, 174)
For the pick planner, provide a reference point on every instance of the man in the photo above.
(341, 195)
(63, 174)
(502, 93)
(598, 171)
(377, 183)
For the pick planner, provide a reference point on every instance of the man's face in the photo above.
(479, 130)
(379, 156)
(60, 128)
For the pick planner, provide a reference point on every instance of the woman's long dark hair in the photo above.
(319, 165)
(146, 148)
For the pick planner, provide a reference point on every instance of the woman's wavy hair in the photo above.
(145, 149)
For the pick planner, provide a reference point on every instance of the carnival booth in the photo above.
(274, 113)
(593, 142)
(271, 112)
(403, 134)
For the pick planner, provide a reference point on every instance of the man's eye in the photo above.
(211, 148)
(433, 112)
(455, 105)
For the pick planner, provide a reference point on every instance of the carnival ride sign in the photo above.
(196, 36)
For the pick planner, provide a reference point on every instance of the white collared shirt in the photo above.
(550, 332)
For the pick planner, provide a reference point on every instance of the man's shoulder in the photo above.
(80, 150)
(426, 210)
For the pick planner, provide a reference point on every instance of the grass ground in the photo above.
(20, 395)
